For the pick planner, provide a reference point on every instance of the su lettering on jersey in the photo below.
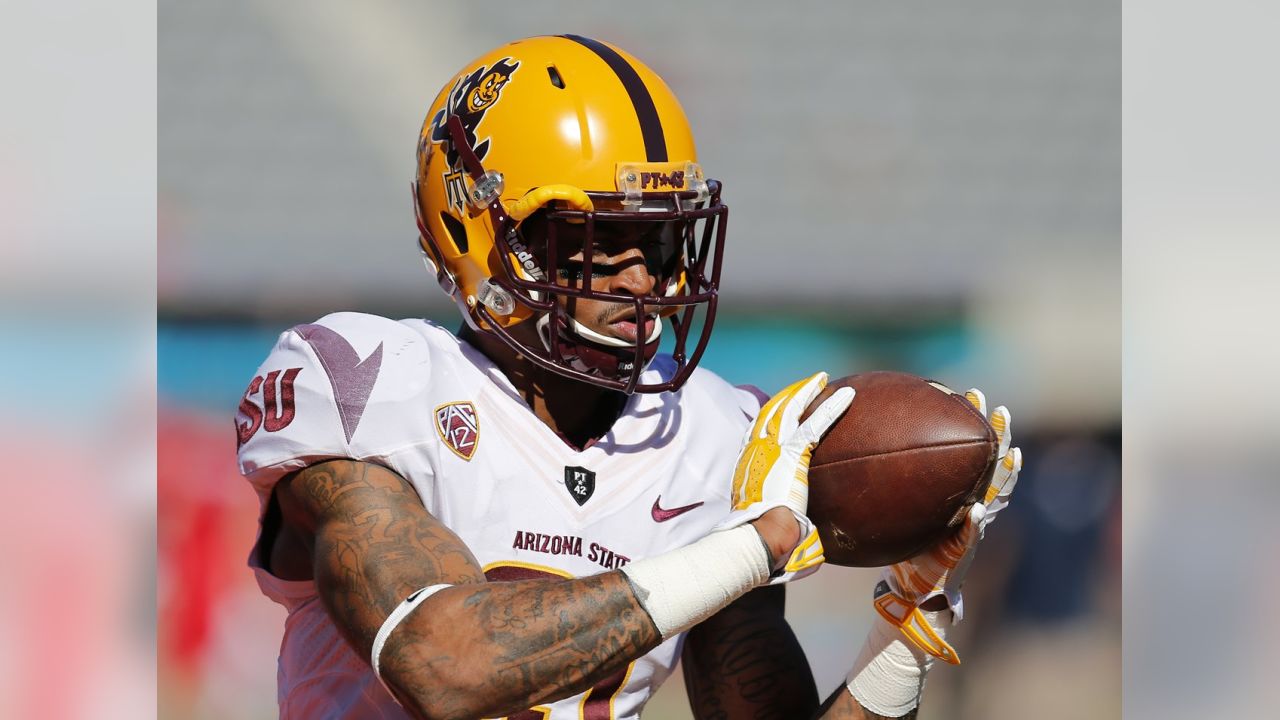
(277, 404)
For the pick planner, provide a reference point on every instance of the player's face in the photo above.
(635, 259)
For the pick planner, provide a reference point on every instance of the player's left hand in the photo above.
(773, 466)
(940, 570)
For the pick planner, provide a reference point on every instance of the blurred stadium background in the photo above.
(920, 186)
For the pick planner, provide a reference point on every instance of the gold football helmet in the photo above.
(554, 139)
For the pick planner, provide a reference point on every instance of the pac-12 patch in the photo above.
(459, 428)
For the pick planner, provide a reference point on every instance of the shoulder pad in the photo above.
(734, 402)
(308, 398)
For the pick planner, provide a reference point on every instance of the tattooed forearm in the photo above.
(842, 706)
(476, 650)
(526, 642)
(745, 662)
(374, 543)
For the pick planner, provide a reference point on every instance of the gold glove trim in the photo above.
(908, 619)
(807, 554)
(763, 449)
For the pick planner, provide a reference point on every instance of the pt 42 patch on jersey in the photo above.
(581, 483)
(459, 428)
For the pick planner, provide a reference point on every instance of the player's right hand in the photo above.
(773, 466)
(940, 570)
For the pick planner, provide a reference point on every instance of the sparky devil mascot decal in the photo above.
(469, 99)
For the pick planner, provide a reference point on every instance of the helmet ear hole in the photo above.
(457, 233)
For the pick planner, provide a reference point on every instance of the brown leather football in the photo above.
(898, 470)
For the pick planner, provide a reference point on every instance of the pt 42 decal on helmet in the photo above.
(472, 95)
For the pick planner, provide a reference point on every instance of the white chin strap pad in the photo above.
(587, 333)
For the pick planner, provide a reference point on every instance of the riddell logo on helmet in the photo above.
(526, 259)
(655, 180)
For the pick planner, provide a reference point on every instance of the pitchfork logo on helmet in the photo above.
(470, 98)
(518, 175)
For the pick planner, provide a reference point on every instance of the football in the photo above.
(898, 470)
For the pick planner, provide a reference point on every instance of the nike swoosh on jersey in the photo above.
(350, 377)
(662, 515)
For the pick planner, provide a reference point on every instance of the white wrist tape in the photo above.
(393, 620)
(683, 587)
(888, 676)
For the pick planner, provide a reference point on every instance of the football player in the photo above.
(538, 516)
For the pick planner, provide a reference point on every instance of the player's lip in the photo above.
(625, 326)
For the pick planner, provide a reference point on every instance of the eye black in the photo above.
(570, 273)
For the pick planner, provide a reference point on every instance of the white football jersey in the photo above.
(412, 397)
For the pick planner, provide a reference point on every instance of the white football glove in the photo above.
(773, 466)
(940, 570)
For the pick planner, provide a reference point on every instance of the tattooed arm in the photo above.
(474, 650)
(745, 662)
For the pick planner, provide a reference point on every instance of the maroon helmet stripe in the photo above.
(655, 141)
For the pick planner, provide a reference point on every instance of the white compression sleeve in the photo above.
(888, 676)
(683, 587)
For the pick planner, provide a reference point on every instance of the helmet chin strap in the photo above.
(594, 347)
(591, 352)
